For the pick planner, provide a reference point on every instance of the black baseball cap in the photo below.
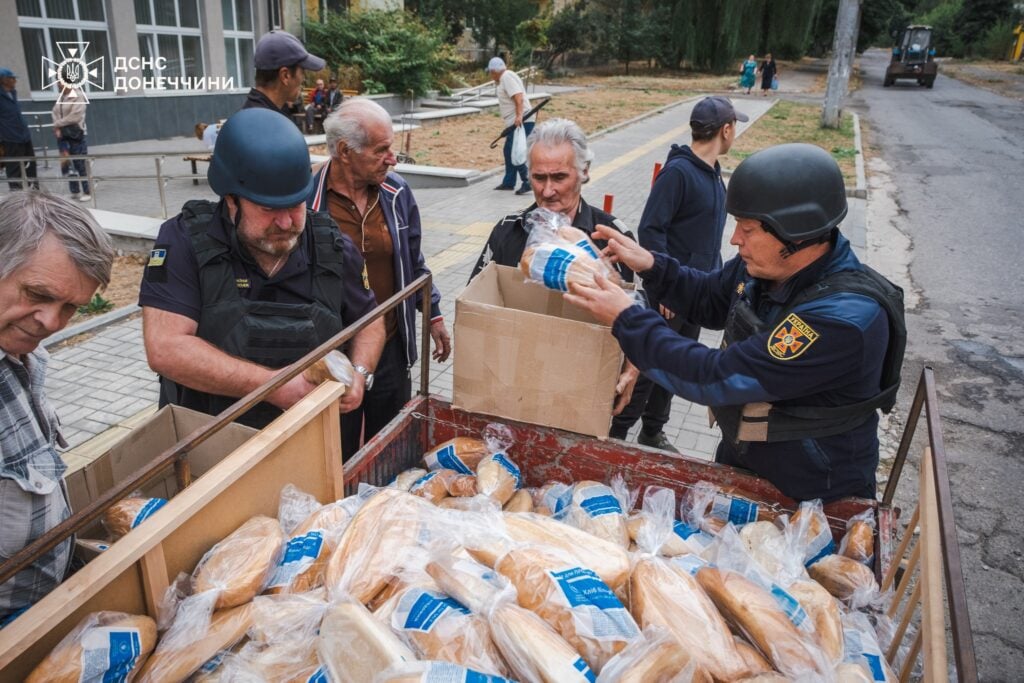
(714, 112)
(280, 48)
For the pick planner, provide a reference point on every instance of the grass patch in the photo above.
(796, 122)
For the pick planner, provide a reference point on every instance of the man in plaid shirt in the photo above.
(53, 258)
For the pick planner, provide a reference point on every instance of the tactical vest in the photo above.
(770, 422)
(268, 333)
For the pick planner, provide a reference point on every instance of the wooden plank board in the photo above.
(933, 613)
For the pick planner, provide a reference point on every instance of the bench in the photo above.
(194, 159)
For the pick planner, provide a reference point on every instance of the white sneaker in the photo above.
(74, 195)
(85, 198)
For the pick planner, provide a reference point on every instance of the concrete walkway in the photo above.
(98, 384)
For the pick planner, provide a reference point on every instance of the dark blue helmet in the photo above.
(262, 156)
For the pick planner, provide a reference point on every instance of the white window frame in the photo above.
(151, 31)
(234, 36)
(77, 25)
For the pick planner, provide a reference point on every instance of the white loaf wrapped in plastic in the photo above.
(534, 652)
(104, 646)
(354, 646)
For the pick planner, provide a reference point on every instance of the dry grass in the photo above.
(1004, 78)
(124, 285)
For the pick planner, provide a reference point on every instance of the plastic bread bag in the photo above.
(862, 648)
(498, 478)
(294, 506)
(335, 366)
(710, 508)
(858, 543)
(435, 672)
(354, 646)
(655, 530)
(772, 620)
(521, 501)
(655, 657)
(104, 646)
(596, 509)
(462, 454)
(572, 600)
(552, 499)
(239, 566)
(405, 480)
(808, 532)
(472, 584)
(550, 227)
(846, 579)
(437, 485)
(438, 627)
(128, 513)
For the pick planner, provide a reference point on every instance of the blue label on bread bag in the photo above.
(299, 554)
(556, 266)
(588, 248)
(596, 610)
(582, 667)
(109, 654)
(151, 506)
(447, 459)
(789, 605)
(428, 608)
(510, 467)
(557, 499)
(319, 676)
(735, 510)
(597, 506)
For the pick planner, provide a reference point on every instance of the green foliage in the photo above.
(564, 33)
(96, 305)
(449, 13)
(494, 22)
(943, 20)
(977, 17)
(995, 43)
(395, 51)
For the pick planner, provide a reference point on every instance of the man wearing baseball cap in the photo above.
(15, 137)
(685, 218)
(281, 66)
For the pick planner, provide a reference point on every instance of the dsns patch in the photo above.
(791, 338)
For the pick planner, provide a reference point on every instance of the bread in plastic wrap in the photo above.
(823, 609)
(667, 596)
(810, 529)
(657, 657)
(498, 477)
(405, 480)
(853, 673)
(438, 627)
(767, 677)
(435, 672)
(552, 499)
(861, 648)
(596, 510)
(470, 583)
(859, 541)
(335, 366)
(754, 612)
(756, 664)
(462, 454)
(304, 559)
(765, 543)
(431, 486)
(655, 530)
(557, 265)
(846, 579)
(458, 485)
(239, 565)
(126, 514)
(572, 600)
(175, 659)
(608, 560)
(354, 646)
(532, 649)
(521, 501)
(103, 646)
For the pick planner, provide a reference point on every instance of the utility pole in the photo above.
(844, 48)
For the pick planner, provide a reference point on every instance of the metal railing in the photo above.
(477, 91)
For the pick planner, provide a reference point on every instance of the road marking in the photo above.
(629, 157)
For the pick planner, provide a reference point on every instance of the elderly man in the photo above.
(236, 289)
(376, 209)
(15, 137)
(512, 104)
(317, 104)
(53, 258)
(281, 66)
(813, 339)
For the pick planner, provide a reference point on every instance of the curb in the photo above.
(91, 325)
(861, 191)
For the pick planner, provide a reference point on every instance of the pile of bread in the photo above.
(455, 572)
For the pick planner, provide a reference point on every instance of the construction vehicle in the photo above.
(913, 56)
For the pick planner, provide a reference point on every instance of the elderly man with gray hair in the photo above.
(53, 258)
(376, 209)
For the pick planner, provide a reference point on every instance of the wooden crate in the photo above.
(302, 447)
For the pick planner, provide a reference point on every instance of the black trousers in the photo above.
(13, 168)
(392, 389)
(651, 402)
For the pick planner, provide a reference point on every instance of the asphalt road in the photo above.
(954, 157)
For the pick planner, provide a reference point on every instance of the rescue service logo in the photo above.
(791, 338)
(73, 72)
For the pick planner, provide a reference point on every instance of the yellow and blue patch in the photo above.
(157, 258)
(791, 338)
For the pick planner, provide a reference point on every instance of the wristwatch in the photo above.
(366, 374)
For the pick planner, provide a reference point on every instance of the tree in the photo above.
(494, 22)
(978, 16)
(450, 13)
(565, 32)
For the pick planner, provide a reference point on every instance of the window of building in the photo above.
(45, 23)
(275, 15)
(239, 41)
(170, 30)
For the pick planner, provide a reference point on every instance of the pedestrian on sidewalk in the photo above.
(53, 258)
(236, 289)
(769, 72)
(281, 66)
(69, 127)
(685, 218)
(317, 105)
(376, 209)
(747, 73)
(15, 136)
(813, 340)
(512, 104)
(207, 134)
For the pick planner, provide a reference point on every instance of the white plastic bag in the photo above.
(519, 146)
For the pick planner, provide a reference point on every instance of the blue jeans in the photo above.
(74, 148)
(510, 170)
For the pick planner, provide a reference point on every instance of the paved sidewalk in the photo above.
(98, 384)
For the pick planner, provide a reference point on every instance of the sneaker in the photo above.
(525, 189)
(74, 195)
(85, 198)
(659, 441)
(505, 187)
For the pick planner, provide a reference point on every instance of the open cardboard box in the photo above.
(523, 353)
(166, 427)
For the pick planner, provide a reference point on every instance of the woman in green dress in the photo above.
(747, 73)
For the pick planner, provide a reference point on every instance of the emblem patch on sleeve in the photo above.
(791, 338)
(157, 257)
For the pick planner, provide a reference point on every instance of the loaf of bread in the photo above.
(582, 240)
(467, 581)
(431, 486)
(126, 514)
(354, 647)
(859, 543)
(754, 612)
(664, 595)
(172, 661)
(768, 677)
(304, 561)
(288, 661)
(656, 658)
(458, 485)
(765, 543)
(755, 663)
(596, 510)
(608, 560)
(552, 499)
(682, 540)
(438, 627)
(556, 265)
(498, 477)
(435, 672)
(335, 366)
(812, 531)
(115, 646)
(239, 566)
(844, 578)
(521, 501)
(823, 609)
(532, 650)
(462, 454)
(572, 600)
(848, 672)
(405, 480)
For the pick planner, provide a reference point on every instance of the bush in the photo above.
(393, 51)
(996, 42)
(945, 36)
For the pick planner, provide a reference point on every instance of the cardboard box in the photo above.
(166, 427)
(523, 353)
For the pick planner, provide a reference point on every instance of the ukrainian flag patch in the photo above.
(791, 338)
(157, 258)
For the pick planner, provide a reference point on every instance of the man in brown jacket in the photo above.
(69, 127)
